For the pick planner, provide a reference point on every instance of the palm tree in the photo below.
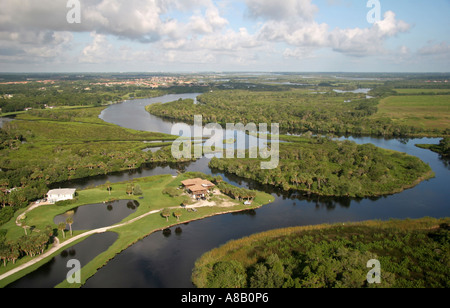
(130, 189)
(166, 213)
(25, 227)
(62, 227)
(4, 254)
(177, 214)
(69, 221)
(108, 187)
(309, 181)
(252, 195)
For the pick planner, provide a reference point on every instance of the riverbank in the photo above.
(443, 148)
(145, 221)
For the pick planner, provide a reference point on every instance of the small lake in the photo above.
(95, 216)
(364, 91)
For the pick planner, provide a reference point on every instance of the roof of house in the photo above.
(199, 182)
(197, 188)
(64, 191)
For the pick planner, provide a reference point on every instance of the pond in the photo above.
(95, 216)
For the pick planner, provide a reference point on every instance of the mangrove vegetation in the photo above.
(323, 166)
(411, 253)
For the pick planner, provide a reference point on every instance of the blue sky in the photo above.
(224, 35)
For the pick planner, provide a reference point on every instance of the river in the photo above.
(166, 259)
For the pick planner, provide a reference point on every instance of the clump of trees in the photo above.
(445, 146)
(411, 253)
(237, 193)
(28, 245)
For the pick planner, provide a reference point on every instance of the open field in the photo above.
(422, 91)
(422, 111)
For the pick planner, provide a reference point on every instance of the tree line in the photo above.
(297, 111)
(36, 95)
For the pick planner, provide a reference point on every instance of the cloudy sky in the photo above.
(224, 35)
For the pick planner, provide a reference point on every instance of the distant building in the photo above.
(57, 195)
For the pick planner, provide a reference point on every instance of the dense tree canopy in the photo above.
(333, 168)
(411, 254)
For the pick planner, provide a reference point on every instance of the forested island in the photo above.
(412, 254)
(322, 166)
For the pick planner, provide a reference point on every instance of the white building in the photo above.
(56, 195)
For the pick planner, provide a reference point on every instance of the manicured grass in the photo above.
(423, 111)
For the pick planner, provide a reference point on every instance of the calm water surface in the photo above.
(95, 216)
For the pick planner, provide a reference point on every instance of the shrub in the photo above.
(227, 274)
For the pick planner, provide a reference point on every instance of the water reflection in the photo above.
(94, 216)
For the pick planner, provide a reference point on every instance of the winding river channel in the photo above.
(166, 259)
